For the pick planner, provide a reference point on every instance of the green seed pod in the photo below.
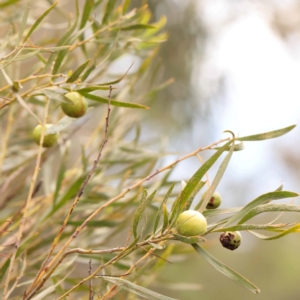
(231, 239)
(191, 223)
(214, 202)
(49, 139)
(78, 109)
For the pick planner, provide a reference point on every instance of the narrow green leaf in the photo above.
(23, 24)
(60, 57)
(145, 201)
(225, 270)
(39, 20)
(258, 201)
(54, 95)
(93, 88)
(220, 211)
(78, 72)
(189, 201)
(71, 192)
(267, 135)
(137, 27)
(193, 182)
(136, 289)
(271, 207)
(113, 102)
(8, 3)
(293, 229)
(95, 223)
(108, 10)
(203, 202)
(166, 219)
(88, 8)
(237, 147)
(60, 177)
(87, 72)
(189, 239)
(161, 208)
(250, 227)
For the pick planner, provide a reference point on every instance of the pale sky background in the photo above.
(262, 94)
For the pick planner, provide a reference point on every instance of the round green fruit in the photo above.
(79, 107)
(49, 139)
(231, 239)
(214, 201)
(191, 223)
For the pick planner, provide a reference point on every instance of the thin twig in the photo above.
(91, 293)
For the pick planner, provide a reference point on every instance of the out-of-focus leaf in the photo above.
(237, 147)
(54, 95)
(267, 135)
(165, 219)
(136, 289)
(60, 177)
(293, 229)
(137, 27)
(161, 209)
(225, 270)
(271, 207)
(88, 7)
(72, 191)
(24, 104)
(189, 239)
(78, 72)
(203, 202)
(258, 201)
(87, 72)
(61, 55)
(108, 10)
(38, 21)
(92, 88)
(220, 211)
(189, 201)
(113, 102)
(251, 227)
(23, 24)
(61, 125)
(140, 211)
(95, 223)
(8, 3)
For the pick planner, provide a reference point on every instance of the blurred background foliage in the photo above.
(186, 111)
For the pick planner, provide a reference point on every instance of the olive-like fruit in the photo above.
(214, 201)
(231, 239)
(79, 107)
(49, 139)
(191, 223)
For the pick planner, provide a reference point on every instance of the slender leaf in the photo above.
(145, 201)
(189, 239)
(88, 7)
(61, 125)
(113, 102)
(251, 227)
(161, 208)
(92, 88)
(258, 201)
(294, 229)
(225, 270)
(38, 21)
(166, 219)
(267, 135)
(87, 72)
(137, 27)
(60, 177)
(54, 95)
(78, 72)
(271, 207)
(136, 289)
(8, 3)
(189, 201)
(216, 212)
(108, 10)
(23, 25)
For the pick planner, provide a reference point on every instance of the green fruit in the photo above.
(49, 139)
(214, 201)
(191, 223)
(231, 239)
(78, 109)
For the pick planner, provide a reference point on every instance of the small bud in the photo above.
(231, 239)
